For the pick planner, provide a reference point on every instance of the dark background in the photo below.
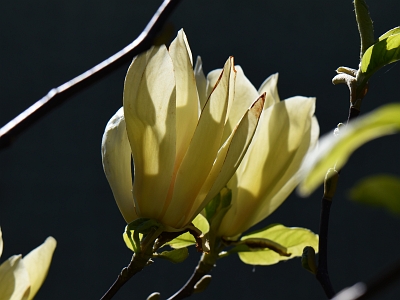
(51, 179)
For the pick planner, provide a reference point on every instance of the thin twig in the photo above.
(58, 95)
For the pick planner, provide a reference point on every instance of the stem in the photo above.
(322, 271)
(204, 266)
(138, 262)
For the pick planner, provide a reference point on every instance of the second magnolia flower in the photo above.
(187, 137)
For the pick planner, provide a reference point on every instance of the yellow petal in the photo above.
(201, 153)
(149, 109)
(186, 95)
(230, 155)
(201, 83)
(14, 279)
(37, 263)
(268, 172)
(269, 86)
(244, 95)
(116, 156)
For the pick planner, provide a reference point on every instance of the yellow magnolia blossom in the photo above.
(268, 172)
(21, 278)
(186, 137)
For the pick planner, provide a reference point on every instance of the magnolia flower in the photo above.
(268, 172)
(186, 139)
(21, 278)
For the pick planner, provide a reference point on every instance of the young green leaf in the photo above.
(380, 54)
(365, 25)
(293, 239)
(175, 256)
(378, 190)
(336, 150)
(186, 239)
(392, 31)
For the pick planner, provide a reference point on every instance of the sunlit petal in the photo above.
(201, 83)
(267, 177)
(230, 155)
(14, 279)
(150, 114)
(116, 156)
(270, 87)
(186, 95)
(244, 95)
(202, 151)
(37, 263)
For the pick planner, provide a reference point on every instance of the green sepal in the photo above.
(378, 190)
(221, 200)
(187, 239)
(308, 260)
(293, 239)
(143, 225)
(382, 53)
(175, 256)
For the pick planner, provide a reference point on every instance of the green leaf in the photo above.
(129, 242)
(380, 54)
(392, 31)
(378, 190)
(293, 239)
(175, 256)
(186, 239)
(365, 25)
(336, 150)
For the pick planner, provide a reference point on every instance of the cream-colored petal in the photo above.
(201, 83)
(229, 156)
(269, 173)
(1, 242)
(116, 156)
(244, 94)
(270, 86)
(202, 152)
(149, 109)
(14, 279)
(186, 95)
(37, 263)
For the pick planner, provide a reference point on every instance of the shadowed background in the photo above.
(51, 178)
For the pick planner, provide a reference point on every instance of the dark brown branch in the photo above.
(58, 95)
(204, 266)
(322, 271)
(137, 264)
